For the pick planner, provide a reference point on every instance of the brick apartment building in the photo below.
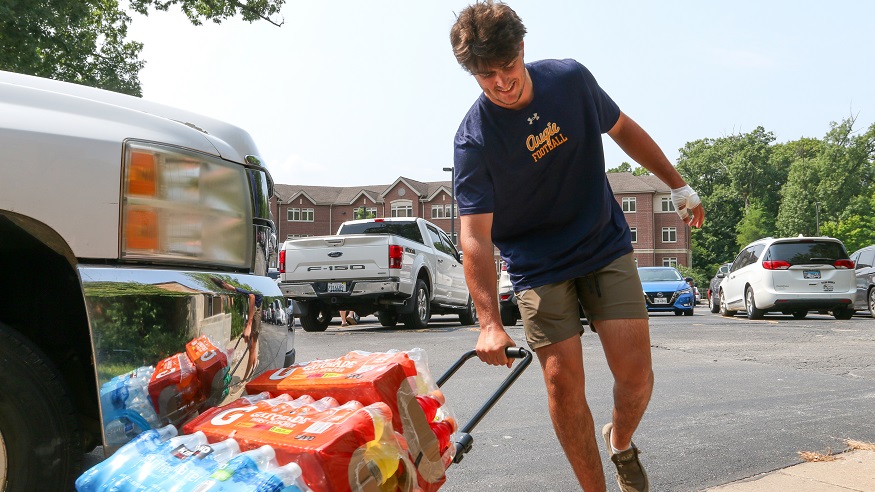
(659, 236)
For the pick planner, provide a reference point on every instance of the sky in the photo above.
(351, 93)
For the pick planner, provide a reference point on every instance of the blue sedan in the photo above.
(666, 290)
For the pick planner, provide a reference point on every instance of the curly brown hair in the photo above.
(486, 34)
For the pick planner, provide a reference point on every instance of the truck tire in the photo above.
(508, 315)
(469, 315)
(316, 319)
(40, 439)
(387, 318)
(418, 319)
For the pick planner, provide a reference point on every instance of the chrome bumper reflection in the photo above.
(140, 317)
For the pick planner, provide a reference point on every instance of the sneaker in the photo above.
(631, 476)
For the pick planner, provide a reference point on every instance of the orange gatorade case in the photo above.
(211, 364)
(339, 448)
(370, 378)
(175, 389)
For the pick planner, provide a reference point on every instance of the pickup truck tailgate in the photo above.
(337, 258)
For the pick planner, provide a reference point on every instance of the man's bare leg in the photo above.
(626, 343)
(562, 364)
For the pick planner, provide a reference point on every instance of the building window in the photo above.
(667, 204)
(629, 205)
(437, 211)
(299, 214)
(634, 231)
(365, 213)
(669, 234)
(402, 208)
(670, 261)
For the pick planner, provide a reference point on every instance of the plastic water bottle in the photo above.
(206, 460)
(156, 466)
(127, 407)
(240, 472)
(128, 455)
(287, 478)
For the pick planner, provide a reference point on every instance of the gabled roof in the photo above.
(417, 187)
(435, 187)
(629, 183)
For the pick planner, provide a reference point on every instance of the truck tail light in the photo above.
(282, 261)
(776, 265)
(849, 264)
(396, 254)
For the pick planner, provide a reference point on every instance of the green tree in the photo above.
(640, 171)
(751, 226)
(625, 167)
(84, 41)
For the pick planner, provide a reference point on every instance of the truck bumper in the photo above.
(316, 290)
(139, 316)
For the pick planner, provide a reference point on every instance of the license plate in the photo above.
(811, 274)
(660, 300)
(336, 286)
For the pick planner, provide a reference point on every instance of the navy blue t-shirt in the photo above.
(540, 171)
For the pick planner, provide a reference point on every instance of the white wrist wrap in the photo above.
(684, 200)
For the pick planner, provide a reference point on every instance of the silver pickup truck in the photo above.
(126, 230)
(398, 268)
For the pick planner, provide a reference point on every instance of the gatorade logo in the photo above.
(282, 373)
(208, 355)
(231, 415)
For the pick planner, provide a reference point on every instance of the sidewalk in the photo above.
(850, 471)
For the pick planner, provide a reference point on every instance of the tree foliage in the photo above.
(752, 187)
(85, 41)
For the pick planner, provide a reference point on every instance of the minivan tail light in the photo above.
(396, 254)
(776, 265)
(282, 261)
(849, 264)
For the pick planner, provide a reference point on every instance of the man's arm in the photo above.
(638, 145)
(479, 264)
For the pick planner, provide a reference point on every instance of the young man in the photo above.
(530, 178)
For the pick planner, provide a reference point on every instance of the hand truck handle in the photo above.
(463, 445)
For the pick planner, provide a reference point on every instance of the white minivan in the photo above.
(791, 276)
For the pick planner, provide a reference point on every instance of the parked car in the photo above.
(864, 270)
(791, 276)
(507, 304)
(666, 290)
(713, 287)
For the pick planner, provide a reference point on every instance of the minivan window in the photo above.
(807, 252)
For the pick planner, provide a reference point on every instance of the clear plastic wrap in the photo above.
(399, 379)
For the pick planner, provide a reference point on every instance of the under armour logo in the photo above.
(533, 118)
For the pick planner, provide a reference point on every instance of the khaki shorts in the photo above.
(551, 313)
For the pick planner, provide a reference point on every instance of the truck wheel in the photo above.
(418, 319)
(387, 318)
(508, 315)
(316, 319)
(469, 315)
(40, 442)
